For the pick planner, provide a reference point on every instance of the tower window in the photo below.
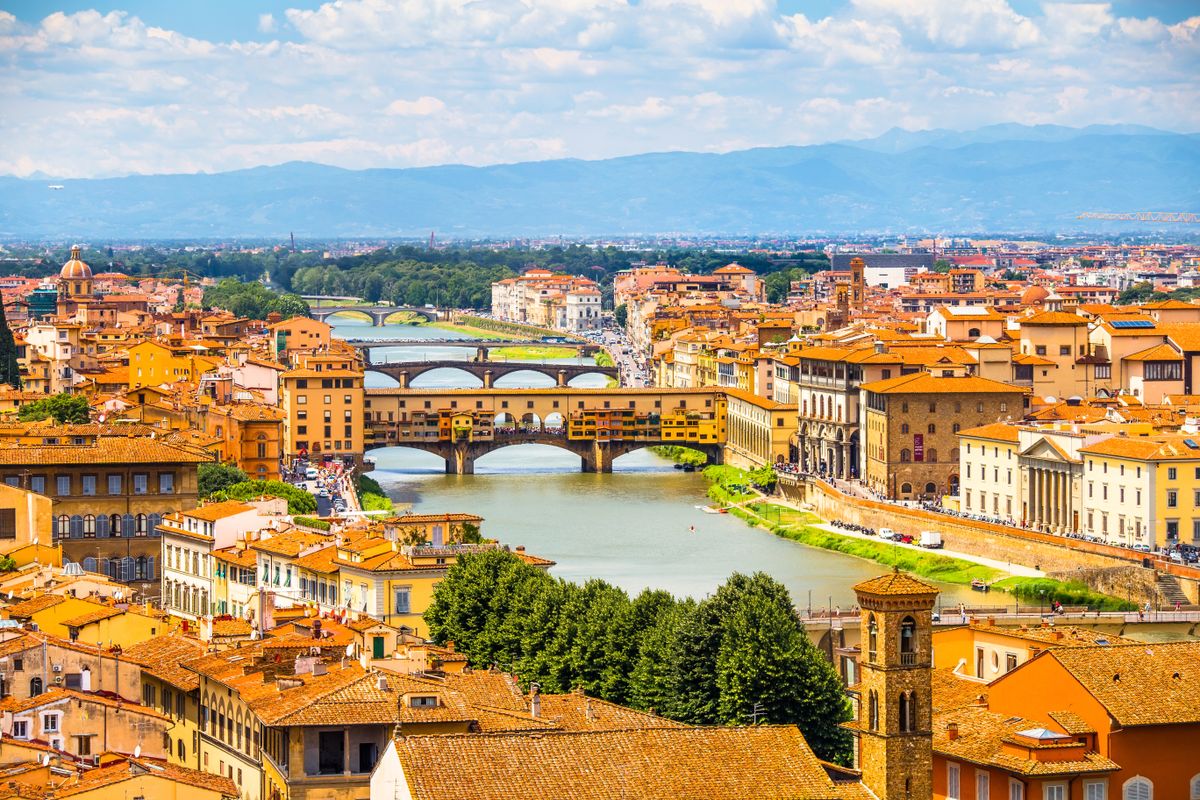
(908, 641)
(872, 636)
(873, 711)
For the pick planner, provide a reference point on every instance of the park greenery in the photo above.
(216, 477)
(298, 500)
(740, 656)
(680, 454)
(371, 495)
(312, 522)
(65, 409)
(253, 300)
(10, 369)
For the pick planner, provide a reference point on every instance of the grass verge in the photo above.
(1069, 593)
(680, 455)
(530, 353)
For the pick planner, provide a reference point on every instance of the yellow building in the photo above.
(152, 363)
(1142, 491)
(173, 690)
(323, 406)
(84, 723)
(24, 516)
(299, 333)
(118, 777)
(760, 431)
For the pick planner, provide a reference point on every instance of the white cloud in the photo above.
(486, 81)
(421, 107)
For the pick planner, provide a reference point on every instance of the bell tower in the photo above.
(895, 735)
(857, 284)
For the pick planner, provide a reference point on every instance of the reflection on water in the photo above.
(639, 527)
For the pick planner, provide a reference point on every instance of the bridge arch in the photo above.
(358, 313)
(428, 315)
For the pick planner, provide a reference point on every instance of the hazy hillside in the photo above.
(1004, 178)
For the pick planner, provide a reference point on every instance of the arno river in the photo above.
(630, 527)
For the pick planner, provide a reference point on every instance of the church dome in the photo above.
(1034, 294)
(75, 269)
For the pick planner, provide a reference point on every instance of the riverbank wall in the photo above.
(1102, 568)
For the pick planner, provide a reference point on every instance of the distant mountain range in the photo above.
(1003, 178)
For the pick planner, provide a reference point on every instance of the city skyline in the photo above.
(138, 88)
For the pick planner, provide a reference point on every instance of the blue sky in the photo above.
(110, 88)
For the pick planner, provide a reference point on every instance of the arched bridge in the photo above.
(378, 314)
(596, 455)
(487, 371)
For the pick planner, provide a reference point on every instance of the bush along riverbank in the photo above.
(680, 455)
(729, 485)
(371, 495)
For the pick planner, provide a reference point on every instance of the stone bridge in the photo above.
(596, 455)
(481, 346)
(377, 314)
(487, 371)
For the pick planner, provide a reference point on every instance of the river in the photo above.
(633, 527)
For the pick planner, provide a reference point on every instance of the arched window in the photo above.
(906, 488)
(931, 455)
(114, 524)
(1137, 788)
(908, 711)
(872, 636)
(932, 428)
(63, 525)
(873, 711)
(908, 635)
(140, 527)
(1195, 787)
(35, 687)
(905, 456)
(89, 526)
(903, 715)
(954, 454)
(904, 427)
(931, 488)
(956, 427)
(973, 333)
(182, 751)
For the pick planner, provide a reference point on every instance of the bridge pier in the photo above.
(481, 355)
(402, 379)
(597, 458)
(487, 379)
(460, 461)
(562, 378)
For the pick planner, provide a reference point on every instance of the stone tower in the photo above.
(858, 288)
(895, 751)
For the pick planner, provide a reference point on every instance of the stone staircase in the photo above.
(1169, 591)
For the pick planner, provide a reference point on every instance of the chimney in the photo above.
(381, 683)
(450, 645)
(991, 622)
(952, 730)
(319, 668)
(881, 347)
(535, 700)
(316, 628)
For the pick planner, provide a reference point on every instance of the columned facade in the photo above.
(1049, 498)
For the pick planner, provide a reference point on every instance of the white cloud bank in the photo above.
(364, 83)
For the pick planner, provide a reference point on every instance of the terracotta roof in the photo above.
(1053, 318)
(323, 560)
(231, 627)
(983, 734)
(232, 555)
(161, 657)
(764, 762)
(129, 768)
(27, 608)
(289, 543)
(1138, 684)
(1149, 448)
(996, 431)
(1071, 722)
(56, 695)
(104, 450)
(1057, 635)
(578, 712)
(926, 383)
(1159, 352)
(218, 511)
(102, 613)
(896, 583)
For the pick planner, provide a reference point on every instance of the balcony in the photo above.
(908, 659)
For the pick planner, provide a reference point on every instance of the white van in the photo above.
(887, 534)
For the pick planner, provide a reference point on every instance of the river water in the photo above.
(633, 527)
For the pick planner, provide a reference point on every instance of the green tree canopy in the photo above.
(253, 300)
(216, 477)
(10, 369)
(298, 500)
(65, 409)
(739, 656)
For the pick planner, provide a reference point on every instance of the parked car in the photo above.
(887, 533)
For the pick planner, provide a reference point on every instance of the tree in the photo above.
(65, 409)
(298, 500)
(621, 315)
(10, 370)
(942, 265)
(216, 477)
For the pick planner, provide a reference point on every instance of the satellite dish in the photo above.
(137, 751)
(350, 650)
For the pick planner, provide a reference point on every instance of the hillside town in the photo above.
(205, 594)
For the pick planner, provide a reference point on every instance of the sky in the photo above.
(93, 89)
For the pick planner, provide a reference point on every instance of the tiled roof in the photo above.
(129, 768)
(981, 739)
(1071, 722)
(55, 695)
(27, 608)
(926, 383)
(763, 762)
(1159, 352)
(996, 431)
(896, 583)
(161, 657)
(289, 543)
(578, 712)
(102, 613)
(1053, 318)
(105, 450)
(1165, 447)
(1138, 684)
(1058, 635)
(218, 511)
(231, 627)
(232, 555)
